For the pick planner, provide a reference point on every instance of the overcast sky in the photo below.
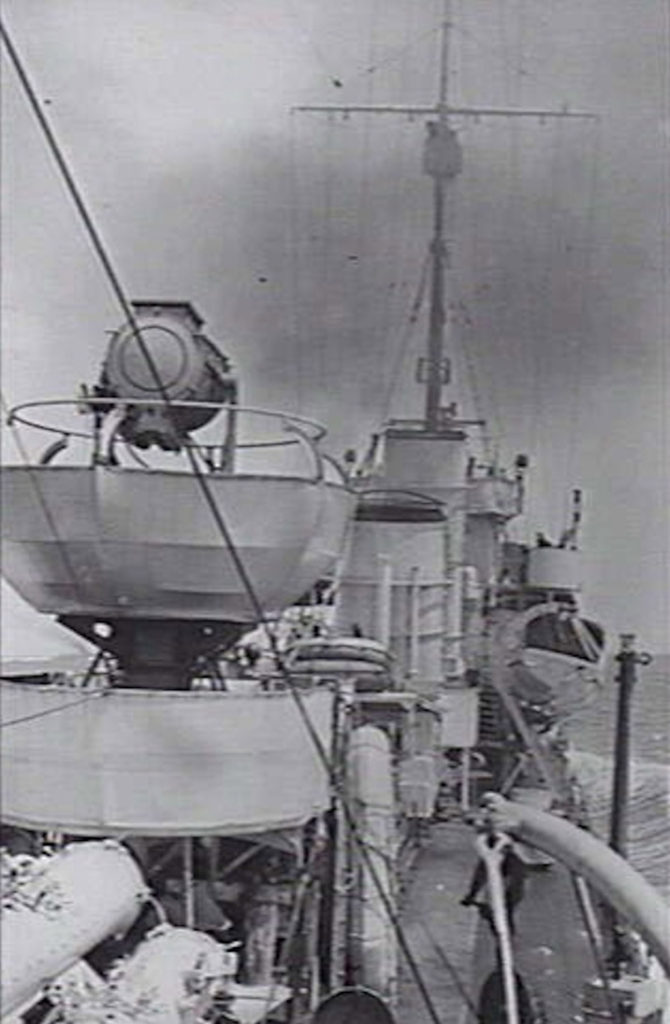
(300, 239)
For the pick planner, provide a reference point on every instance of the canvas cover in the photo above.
(160, 763)
(33, 643)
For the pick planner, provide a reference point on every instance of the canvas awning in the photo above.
(31, 643)
(149, 763)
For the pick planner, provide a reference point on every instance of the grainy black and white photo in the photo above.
(335, 661)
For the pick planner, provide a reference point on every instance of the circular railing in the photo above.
(107, 415)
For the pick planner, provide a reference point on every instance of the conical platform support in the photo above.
(156, 654)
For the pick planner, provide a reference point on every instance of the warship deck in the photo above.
(455, 951)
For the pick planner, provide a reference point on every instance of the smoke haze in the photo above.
(301, 239)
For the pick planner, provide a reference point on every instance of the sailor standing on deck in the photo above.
(513, 871)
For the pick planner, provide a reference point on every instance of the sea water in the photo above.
(592, 734)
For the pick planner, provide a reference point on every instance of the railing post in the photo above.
(626, 678)
(628, 660)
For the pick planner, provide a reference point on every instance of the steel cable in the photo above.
(261, 619)
(44, 505)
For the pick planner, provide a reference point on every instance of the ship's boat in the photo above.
(555, 657)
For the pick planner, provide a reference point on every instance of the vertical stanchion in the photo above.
(189, 901)
(628, 660)
(465, 778)
(413, 667)
(626, 678)
(385, 582)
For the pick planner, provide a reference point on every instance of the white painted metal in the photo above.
(415, 554)
(554, 568)
(459, 708)
(384, 600)
(374, 943)
(433, 464)
(143, 543)
(492, 856)
(417, 785)
(413, 660)
(453, 639)
(628, 892)
(425, 556)
(61, 911)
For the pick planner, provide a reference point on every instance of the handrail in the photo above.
(93, 404)
(418, 496)
(332, 461)
(109, 414)
(607, 871)
(492, 857)
(312, 448)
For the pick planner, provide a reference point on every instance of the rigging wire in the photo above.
(126, 306)
(33, 476)
(513, 224)
(475, 320)
(446, 962)
(401, 52)
(583, 311)
(71, 185)
(542, 317)
(520, 64)
(518, 211)
(393, 56)
(363, 190)
(583, 900)
(474, 316)
(260, 617)
(392, 312)
(317, 52)
(53, 711)
(405, 339)
(294, 241)
(321, 363)
(509, 207)
(397, 249)
(463, 318)
(90, 672)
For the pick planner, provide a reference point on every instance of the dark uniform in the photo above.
(513, 872)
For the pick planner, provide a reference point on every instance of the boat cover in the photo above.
(160, 763)
(31, 643)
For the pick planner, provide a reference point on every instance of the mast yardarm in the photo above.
(442, 161)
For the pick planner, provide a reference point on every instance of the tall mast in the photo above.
(442, 162)
(438, 247)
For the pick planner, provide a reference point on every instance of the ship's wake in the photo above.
(649, 810)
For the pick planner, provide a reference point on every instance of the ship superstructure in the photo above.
(430, 570)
